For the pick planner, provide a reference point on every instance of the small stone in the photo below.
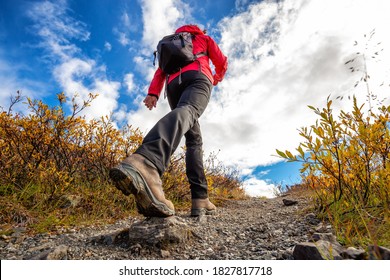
(324, 236)
(209, 251)
(263, 235)
(5, 237)
(201, 219)
(354, 254)
(58, 253)
(289, 202)
(321, 250)
(323, 228)
(18, 231)
(88, 254)
(378, 253)
(312, 219)
(136, 249)
(165, 254)
(278, 232)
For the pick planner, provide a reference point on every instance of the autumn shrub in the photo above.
(54, 167)
(47, 156)
(345, 161)
(224, 181)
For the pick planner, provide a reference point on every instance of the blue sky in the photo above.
(283, 56)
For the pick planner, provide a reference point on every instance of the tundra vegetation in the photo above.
(54, 167)
(345, 159)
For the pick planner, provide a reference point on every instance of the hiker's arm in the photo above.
(157, 83)
(219, 60)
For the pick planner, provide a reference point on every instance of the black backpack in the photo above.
(175, 51)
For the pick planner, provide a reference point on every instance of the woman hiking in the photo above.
(188, 91)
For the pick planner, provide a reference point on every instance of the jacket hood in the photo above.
(193, 29)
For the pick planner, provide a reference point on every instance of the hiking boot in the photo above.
(202, 207)
(138, 176)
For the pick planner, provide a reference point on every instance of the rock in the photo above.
(278, 232)
(378, 253)
(136, 249)
(165, 254)
(323, 228)
(202, 219)
(5, 237)
(160, 231)
(116, 237)
(324, 236)
(312, 219)
(42, 247)
(289, 202)
(209, 251)
(18, 231)
(354, 254)
(320, 250)
(306, 251)
(58, 253)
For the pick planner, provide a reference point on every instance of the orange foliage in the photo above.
(47, 155)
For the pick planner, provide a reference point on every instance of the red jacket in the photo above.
(201, 43)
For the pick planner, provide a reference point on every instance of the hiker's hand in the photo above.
(150, 101)
(217, 79)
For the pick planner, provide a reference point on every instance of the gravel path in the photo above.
(248, 229)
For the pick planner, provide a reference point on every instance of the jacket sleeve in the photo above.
(157, 83)
(218, 59)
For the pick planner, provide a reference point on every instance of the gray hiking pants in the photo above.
(188, 100)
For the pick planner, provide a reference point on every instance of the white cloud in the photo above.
(107, 46)
(56, 28)
(8, 82)
(125, 19)
(121, 114)
(11, 82)
(77, 74)
(70, 73)
(124, 28)
(79, 77)
(122, 38)
(106, 102)
(161, 18)
(255, 188)
(282, 57)
(143, 117)
(129, 81)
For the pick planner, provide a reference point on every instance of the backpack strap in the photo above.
(200, 54)
(154, 59)
(166, 86)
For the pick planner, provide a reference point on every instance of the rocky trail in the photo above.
(266, 229)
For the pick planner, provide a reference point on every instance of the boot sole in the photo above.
(202, 211)
(129, 181)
